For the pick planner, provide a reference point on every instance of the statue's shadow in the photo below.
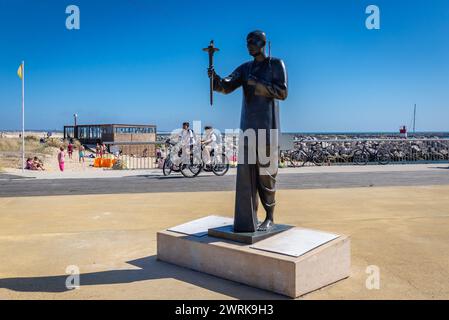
(150, 269)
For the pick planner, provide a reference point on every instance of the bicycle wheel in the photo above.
(383, 157)
(318, 158)
(220, 165)
(360, 157)
(167, 167)
(297, 158)
(192, 168)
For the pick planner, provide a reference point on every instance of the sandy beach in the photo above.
(47, 152)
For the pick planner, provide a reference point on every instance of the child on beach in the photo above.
(38, 163)
(81, 153)
(30, 164)
(61, 158)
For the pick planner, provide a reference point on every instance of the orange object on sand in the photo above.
(97, 162)
(104, 162)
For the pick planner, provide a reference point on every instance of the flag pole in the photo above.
(23, 115)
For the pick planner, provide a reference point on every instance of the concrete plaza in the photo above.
(111, 238)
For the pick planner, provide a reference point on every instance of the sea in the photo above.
(341, 134)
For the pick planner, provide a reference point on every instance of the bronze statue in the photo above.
(264, 82)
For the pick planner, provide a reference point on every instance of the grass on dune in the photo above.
(10, 149)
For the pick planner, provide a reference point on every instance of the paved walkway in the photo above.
(302, 178)
(112, 240)
(96, 173)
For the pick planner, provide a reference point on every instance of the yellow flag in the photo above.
(19, 72)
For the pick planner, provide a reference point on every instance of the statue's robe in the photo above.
(260, 110)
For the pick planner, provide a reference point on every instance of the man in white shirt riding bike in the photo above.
(187, 140)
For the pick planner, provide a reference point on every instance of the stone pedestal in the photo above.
(292, 263)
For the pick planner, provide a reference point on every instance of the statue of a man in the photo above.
(264, 82)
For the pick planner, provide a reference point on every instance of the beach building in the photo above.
(127, 138)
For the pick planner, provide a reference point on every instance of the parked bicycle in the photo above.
(301, 156)
(365, 154)
(288, 158)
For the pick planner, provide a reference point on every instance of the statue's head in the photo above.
(256, 41)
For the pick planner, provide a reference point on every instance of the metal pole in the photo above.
(414, 118)
(23, 115)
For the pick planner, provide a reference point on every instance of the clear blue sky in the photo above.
(140, 61)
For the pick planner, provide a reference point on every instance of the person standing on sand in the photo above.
(61, 158)
(70, 150)
(104, 150)
(97, 150)
(81, 154)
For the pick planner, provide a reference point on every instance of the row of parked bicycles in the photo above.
(318, 155)
(364, 152)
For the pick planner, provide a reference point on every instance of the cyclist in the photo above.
(209, 144)
(187, 141)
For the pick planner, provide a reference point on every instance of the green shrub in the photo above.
(55, 142)
(119, 165)
(32, 138)
(8, 144)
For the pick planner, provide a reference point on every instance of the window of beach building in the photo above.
(82, 132)
(94, 132)
(134, 130)
(69, 132)
(106, 129)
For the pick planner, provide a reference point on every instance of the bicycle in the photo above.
(194, 165)
(299, 158)
(288, 157)
(169, 166)
(365, 154)
(219, 163)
